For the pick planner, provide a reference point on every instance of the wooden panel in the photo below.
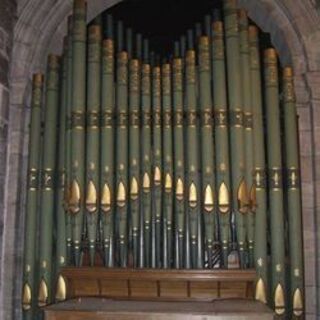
(104, 309)
(142, 289)
(233, 289)
(114, 288)
(174, 289)
(150, 284)
(86, 287)
(204, 290)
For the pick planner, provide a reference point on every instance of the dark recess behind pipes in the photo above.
(164, 21)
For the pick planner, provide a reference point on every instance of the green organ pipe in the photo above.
(259, 174)
(276, 206)
(248, 130)
(193, 181)
(77, 188)
(146, 160)
(29, 290)
(93, 136)
(221, 132)
(129, 43)
(68, 142)
(61, 242)
(48, 177)
(179, 182)
(134, 154)
(239, 188)
(167, 165)
(120, 36)
(107, 161)
(109, 24)
(122, 155)
(207, 144)
(293, 195)
(157, 174)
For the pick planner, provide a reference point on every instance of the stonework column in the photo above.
(7, 22)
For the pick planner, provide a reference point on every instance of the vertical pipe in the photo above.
(190, 39)
(178, 162)
(221, 133)
(293, 194)
(239, 188)
(120, 36)
(93, 136)
(192, 159)
(68, 143)
(197, 32)
(48, 181)
(134, 156)
(167, 165)
(275, 181)
(157, 169)
(129, 44)
(145, 51)
(109, 26)
(107, 194)
(139, 46)
(122, 154)
(207, 25)
(183, 46)
(146, 160)
(260, 249)
(248, 130)
(76, 201)
(29, 283)
(176, 49)
(61, 248)
(207, 144)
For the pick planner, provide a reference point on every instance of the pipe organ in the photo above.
(187, 161)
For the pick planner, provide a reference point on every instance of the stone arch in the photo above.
(40, 28)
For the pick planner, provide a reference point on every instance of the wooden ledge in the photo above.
(158, 284)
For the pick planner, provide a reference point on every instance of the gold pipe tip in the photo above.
(146, 68)
(108, 44)
(253, 32)
(156, 70)
(270, 53)
(166, 68)
(177, 62)
(38, 78)
(134, 63)
(123, 55)
(218, 26)
(191, 54)
(204, 40)
(95, 31)
(288, 72)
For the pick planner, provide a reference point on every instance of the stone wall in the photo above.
(40, 27)
(8, 19)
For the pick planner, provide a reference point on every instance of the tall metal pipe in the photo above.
(48, 183)
(29, 290)
(276, 207)
(240, 201)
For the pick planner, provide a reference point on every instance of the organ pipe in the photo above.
(153, 161)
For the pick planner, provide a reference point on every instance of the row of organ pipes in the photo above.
(175, 162)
